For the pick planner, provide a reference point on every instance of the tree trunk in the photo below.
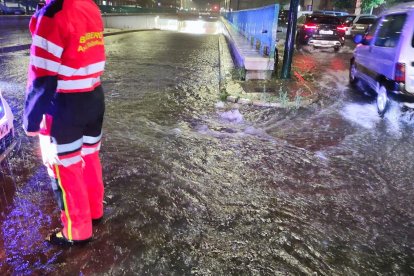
(358, 7)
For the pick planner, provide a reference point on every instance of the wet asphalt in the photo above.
(197, 187)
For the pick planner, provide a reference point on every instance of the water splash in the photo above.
(364, 115)
(233, 116)
(220, 105)
(393, 119)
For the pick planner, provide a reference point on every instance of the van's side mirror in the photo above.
(358, 39)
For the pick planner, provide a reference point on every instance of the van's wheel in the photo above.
(382, 100)
(352, 74)
(336, 49)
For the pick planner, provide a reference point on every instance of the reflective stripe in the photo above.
(46, 64)
(92, 139)
(65, 204)
(77, 84)
(86, 151)
(47, 45)
(83, 71)
(68, 147)
(66, 162)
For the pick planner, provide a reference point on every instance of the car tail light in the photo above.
(310, 26)
(341, 28)
(400, 72)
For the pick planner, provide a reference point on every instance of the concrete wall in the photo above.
(138, 21)
(141, 21)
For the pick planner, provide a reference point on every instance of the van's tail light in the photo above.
(400, 72)
(341, 28)
(310, 26)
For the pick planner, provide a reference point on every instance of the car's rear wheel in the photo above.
(382, 100)
(352, 74)
(336, 49)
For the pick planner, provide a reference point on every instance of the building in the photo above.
(315, 5)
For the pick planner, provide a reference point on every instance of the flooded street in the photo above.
(197, 187)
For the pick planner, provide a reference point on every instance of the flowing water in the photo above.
(195, 186)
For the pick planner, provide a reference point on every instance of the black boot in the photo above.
(57, 238)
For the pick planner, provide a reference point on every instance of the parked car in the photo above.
(348, 20)
(333, 13)
(361, 23)
(384, 58)
(321, 31)
(301, 13)
(7, 138)
(11, 10)
(284, 16)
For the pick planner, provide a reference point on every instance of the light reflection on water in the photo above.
(199, 27)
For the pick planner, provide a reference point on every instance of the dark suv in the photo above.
(321, 31)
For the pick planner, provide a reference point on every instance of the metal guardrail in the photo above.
(259, 26)
(127, 10)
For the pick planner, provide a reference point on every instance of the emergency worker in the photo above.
(65, 107)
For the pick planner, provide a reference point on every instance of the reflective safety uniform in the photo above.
(65, 103)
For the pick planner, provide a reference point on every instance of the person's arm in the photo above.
(45, 59)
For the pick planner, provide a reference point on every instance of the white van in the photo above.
(384, 57)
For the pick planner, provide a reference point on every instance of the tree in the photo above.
(370, 4)
(344, 4)
(358, 5)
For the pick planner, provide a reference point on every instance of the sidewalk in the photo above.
(294, 93)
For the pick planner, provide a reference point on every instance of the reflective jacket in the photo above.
(67, 55)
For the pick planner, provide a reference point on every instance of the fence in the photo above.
(259, 26)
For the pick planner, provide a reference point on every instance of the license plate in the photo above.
(325, 32)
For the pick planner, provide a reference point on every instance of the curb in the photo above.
(235, 93)
(304, 101)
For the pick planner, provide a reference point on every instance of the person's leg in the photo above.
(61, 152)
(76, 216)
(92, 170)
